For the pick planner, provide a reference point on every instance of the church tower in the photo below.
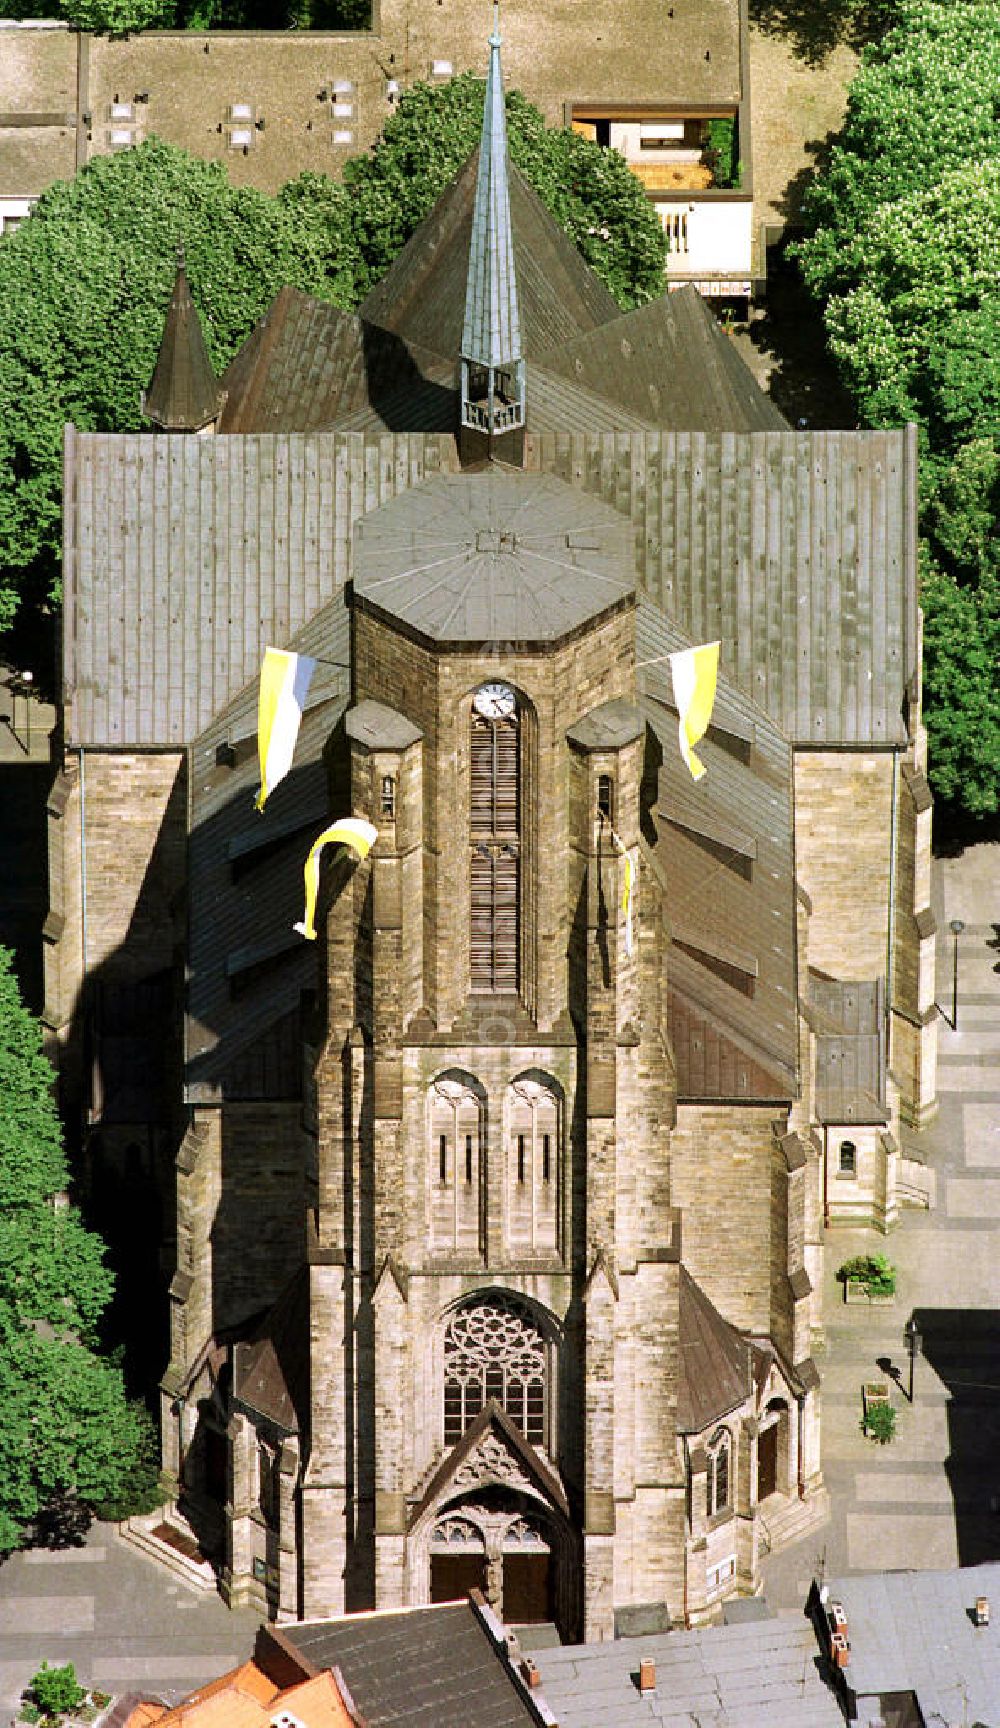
(492, 363)
(184, 393)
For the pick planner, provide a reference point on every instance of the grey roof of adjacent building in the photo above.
(762, 1674)
(432, 1667)
(913, 1632)
(848, 1019)
(184, 394)
(493, 555)
(671, 364)
(796, 549)
(725, 852)
(491, 330)
(185, 557)
(247, 968)
(715, 1360)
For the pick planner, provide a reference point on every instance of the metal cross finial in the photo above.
(180, 253)
(495, 38)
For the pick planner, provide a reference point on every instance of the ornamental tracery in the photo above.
(494, 1348)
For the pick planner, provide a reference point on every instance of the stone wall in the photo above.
(721, 1181)
(843, 825)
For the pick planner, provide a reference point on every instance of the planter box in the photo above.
(874, 1392)
(856, 1290)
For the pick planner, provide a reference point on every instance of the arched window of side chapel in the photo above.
(495, 841)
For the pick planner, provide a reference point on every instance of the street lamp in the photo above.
(27, 679)
(956, 927)
(911, 1332)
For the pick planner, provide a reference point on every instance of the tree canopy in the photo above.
(84, 283)
(903, 253)
(67, 1429)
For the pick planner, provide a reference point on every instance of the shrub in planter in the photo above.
(880, 1422)
(874, 1271)
(57, 1691)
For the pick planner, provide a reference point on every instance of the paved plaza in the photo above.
(929, 1498)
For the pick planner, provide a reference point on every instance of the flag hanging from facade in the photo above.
(284, 681)
(695, 674)
(627, 886)
(352, 831)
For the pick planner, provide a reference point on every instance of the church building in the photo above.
(493, 1220)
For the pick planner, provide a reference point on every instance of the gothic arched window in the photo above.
(455, 1158)
(494, 1348)
(533, 1164)
(719, 1481)
(495, 842)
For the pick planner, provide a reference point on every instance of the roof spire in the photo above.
(183, 394)
(492, 363)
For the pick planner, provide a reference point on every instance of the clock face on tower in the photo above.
(494, 701)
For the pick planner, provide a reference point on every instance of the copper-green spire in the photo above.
(492, 363)
(183, 394)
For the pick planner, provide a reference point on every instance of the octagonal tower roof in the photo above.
(494, 555)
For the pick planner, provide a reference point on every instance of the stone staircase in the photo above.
(166, 1537)
(784, 1518)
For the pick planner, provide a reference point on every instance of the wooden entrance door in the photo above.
(767, 1461)
(527, 1588)
(454, 1575)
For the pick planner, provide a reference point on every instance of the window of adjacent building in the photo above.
(494, 1348)
(269, 1480)
(456, 1122)
(848, 1158)
(719, 1472)
(533, 1113)
(387, 797)
(495, 835)
(606, 797)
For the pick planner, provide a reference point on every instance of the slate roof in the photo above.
(725, 853)
(911, 1631)
(715, 1360)
(422, 295)
(185, 557)
(271, 1370)
(247, 968)
(762, 1674)
(425, 1667)
(848, 1019)
(494, 555)
(184, 393)
(796, 549)
(309, 366)
(671, 364)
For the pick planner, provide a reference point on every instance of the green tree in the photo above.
(591, 192)
(903, 253)
(57, 1690)
(67, 1429)
(83, 289)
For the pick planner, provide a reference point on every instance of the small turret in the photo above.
(492, 362)
(183, 394)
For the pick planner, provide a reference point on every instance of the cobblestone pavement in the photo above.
(928, 1498)
(122, 1620)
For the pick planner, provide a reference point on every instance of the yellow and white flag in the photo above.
(627, 887)
(695, 674)
(284, 682)
(352, 831)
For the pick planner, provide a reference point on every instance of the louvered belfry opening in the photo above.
(495, 861)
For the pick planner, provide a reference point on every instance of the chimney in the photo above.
(530, 1672)
(840, 1650)
(647, 1676)
(982, 1613)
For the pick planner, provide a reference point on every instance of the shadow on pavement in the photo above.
(962, 1346)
